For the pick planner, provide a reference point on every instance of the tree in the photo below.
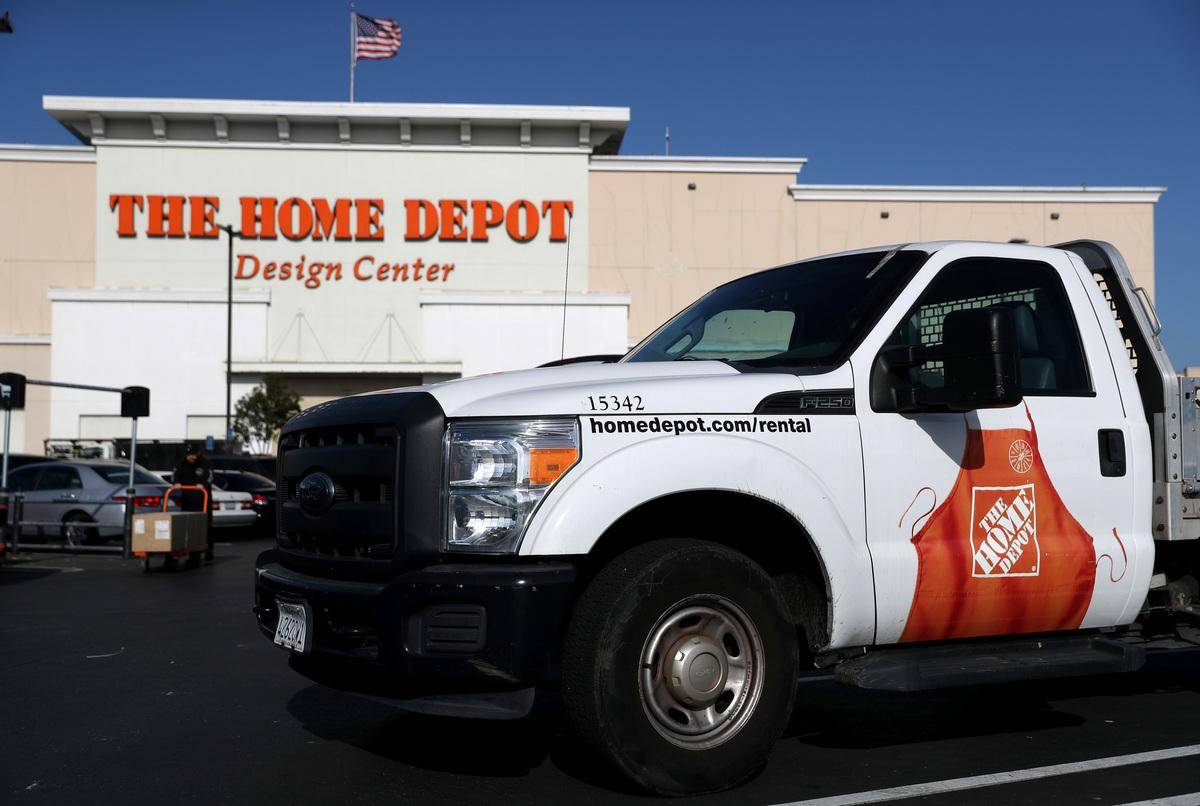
(262, 412)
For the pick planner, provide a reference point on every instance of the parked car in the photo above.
(86, 496)
(230, 508)
(16, 460)
(260, 488)
(262, 464)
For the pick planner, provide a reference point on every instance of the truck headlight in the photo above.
(496, 473)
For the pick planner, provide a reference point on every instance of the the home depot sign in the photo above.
(341, 219)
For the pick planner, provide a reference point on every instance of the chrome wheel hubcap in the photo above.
(701, 672)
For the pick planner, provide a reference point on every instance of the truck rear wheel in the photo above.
(679, 666)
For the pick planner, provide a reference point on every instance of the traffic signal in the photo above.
(135, 401)
(12, 390)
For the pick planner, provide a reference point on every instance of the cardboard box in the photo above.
(170, 531)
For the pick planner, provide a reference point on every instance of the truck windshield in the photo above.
(809, 314)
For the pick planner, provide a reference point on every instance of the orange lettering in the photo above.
(513, 221)
(256, 212)
(295, 219)
(164, 210)
(484, 216)
(559, 210)
(369, 260)
(204, 211)
(369, 228)
(453, 228)
(124, 204)
(416, 210)
(241, 273)
(333, 222)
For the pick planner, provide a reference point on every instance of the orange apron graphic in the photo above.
(1001, 554)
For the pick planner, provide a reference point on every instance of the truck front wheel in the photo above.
(679, 666)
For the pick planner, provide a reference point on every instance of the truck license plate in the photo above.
(292, 631)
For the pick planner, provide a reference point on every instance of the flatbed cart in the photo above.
(193, 547)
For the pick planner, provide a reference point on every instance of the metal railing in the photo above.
(16, 527)
(135, 403)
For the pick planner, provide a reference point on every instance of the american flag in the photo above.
(375, 39)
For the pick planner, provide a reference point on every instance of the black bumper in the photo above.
(444, 629)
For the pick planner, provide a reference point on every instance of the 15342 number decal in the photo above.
(615, 403)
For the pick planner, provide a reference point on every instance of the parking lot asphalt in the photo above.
(123, 687)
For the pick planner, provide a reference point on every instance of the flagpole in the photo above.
(353, 60)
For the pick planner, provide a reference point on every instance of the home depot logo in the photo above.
(1004, 532)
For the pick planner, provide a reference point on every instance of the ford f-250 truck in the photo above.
(936, 464)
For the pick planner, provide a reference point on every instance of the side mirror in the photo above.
(980, 366)
(981, 359)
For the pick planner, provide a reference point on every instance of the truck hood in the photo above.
(668, 387)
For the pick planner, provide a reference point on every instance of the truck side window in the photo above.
(1052, 360)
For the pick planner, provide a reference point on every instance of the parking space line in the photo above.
(1000, 778)
(1190, 799)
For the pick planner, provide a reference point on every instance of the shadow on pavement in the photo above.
(830, 715)
(834, 716)
(16, 574)
(493, 748)
(827, 715)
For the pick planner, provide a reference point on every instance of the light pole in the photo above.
(229, 339)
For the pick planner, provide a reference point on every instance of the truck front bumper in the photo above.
(468, 632)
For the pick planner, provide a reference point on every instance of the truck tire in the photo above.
(679, 666)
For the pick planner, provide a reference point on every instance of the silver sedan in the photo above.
(88, 497)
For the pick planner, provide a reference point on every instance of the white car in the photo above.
(230, 508)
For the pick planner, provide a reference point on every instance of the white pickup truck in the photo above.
(928, 465)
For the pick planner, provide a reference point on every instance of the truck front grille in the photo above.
(362, 521)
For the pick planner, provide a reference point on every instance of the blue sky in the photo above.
(1014, 92)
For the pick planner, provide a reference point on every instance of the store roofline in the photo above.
(975, 193)
(346, 367)
(329, 110)
(99, 119)
(682, 164)
(22, 152)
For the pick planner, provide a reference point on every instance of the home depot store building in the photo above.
(386, 245)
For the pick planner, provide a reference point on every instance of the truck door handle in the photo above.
(1112, 452)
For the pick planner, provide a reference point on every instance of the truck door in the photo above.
(1004, 520)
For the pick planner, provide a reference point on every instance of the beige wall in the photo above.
(843, 225)
(47, 238)
(32, 425)
(667, 245)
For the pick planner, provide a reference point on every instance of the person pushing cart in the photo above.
(194, 470)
